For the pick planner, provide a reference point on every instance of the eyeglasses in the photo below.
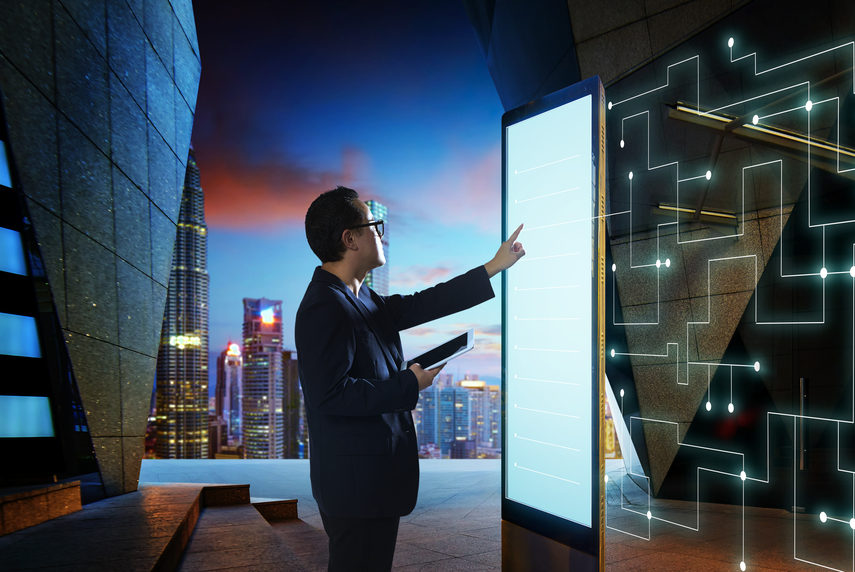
(377, 224)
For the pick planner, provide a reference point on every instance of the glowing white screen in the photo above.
(548, 344)
(25, 416)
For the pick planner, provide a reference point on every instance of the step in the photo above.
(237, 537)
(23, 507)
(275, 510)
(309, 544)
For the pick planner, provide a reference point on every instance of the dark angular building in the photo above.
(99, 101)
(182, 358)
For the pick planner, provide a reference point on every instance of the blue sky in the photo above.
(392, 99)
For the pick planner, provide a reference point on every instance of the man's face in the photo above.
(369, 242)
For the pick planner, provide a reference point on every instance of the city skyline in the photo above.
(393, 101)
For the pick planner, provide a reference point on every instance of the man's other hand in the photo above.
(425, 376)
(509, 252)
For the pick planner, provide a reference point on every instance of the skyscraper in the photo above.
(427, 419)
(182, 357)
(378, 279)
(454, 418)
(229, 390)
(263, 422)
(291, 405)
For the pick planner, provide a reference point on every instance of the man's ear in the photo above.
(348, 239)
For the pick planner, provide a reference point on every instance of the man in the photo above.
(359, 396)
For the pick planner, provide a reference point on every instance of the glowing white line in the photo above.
(547, 380)
(550, 256)
(545, 350)
(549, 444)
(517, 289)
(546, 412)
(545, 319)
(547, 475)
(546, 195)
(546, 164)
(667, 81)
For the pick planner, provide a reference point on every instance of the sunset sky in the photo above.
(393, 99)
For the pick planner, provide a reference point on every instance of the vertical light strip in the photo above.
(11, 252)
(18, 336)
(5, 176)
(25, 416)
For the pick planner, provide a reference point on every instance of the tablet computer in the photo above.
(445, 352)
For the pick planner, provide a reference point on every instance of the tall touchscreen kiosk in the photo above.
(552, 315)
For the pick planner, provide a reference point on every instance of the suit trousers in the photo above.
(361, 544)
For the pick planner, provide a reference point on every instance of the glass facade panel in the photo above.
(25, 416)
(5, 176)
(18, 336)
(11, 252)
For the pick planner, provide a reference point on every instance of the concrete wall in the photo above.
(100, 98)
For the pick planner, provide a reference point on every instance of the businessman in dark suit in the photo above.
(358, 392)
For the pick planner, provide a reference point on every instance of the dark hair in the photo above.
(328, 216)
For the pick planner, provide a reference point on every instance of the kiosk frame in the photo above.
(570, 534)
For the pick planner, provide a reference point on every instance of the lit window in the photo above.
(25, 416)
(11, 252)
(5, 176)
(18, 336)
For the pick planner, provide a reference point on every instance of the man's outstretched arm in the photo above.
(460, 293)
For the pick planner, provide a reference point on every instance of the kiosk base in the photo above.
(527, 551)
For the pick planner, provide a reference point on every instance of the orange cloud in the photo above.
(269, 194)
(468, 190)
(417, 277)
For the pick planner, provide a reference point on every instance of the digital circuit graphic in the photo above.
(732, 234)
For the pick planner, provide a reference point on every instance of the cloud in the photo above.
(417, 277)
(466, 190)
(270, 193)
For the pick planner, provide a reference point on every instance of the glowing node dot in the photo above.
(606, 478)
(709, 175)
(630, 175)
(614, 267)
(658, 263)
(730, 42)
(756, 366)
(610, 105)
(650, 515)
(613, 352)
(668, 263)
(808, 105)
(755, 119)
(742, 566)
(852, 523)
(621, 393)
(823, 272)
(709, 406)
(742, 475)
(852, 272)
(730, 407)
(516, 435)
(823, 517)
(621, 143)
(516, 172)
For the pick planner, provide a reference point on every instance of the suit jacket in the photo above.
(358, 394)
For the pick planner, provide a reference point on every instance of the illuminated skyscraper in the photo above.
(378, 279)
(454, 417)
(182, 357)
(263, 422)
(228, 391)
